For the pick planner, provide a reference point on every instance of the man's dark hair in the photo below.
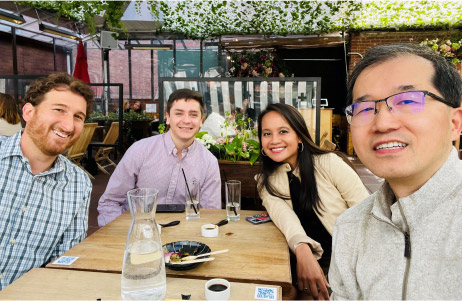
(185, 94)
(446, 79)
(57, 81)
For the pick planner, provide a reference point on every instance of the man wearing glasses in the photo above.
(405, 240)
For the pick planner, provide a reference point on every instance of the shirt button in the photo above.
(24, 208)
(1, 276)
(178, 164)
(169, 198)
(23, 160)
(13, 241)
(173, 182)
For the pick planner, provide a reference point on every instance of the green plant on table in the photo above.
(240, 147)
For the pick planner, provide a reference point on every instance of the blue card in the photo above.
(266, 293)
(65, 260)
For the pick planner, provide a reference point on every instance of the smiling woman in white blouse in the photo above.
(10, 122)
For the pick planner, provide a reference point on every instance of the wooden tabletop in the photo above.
(257, 253)
(53, 284)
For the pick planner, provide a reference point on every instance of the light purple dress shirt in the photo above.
(153, 163)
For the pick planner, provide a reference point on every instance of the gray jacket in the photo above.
(368, 253)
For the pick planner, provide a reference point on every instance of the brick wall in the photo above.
(362, 41)
(33, 57)
(118, 68)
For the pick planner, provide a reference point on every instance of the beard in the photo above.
(39, 134)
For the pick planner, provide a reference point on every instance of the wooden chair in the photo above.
(77, 151)
(102, 155)
(329, 145)
(323, 137)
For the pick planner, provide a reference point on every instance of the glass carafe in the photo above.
(143, 270)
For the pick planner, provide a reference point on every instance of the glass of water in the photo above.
(233, 200)
(193, 210)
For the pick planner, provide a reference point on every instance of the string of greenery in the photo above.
(211, 18)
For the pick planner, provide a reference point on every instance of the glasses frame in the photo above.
(349, 109)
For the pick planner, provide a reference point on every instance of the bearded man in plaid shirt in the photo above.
(44, 198)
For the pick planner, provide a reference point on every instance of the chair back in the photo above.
(112, 134)
(80, 146)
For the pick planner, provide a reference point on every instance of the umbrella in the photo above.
(81, 66)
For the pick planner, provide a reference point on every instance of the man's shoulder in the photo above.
(3, 139)
(358, 213)
(74, 171)
(203, 152)
(144, 145)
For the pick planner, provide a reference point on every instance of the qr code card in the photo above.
(65, 260)
(266, 293)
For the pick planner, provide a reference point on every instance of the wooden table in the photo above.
(52, 284)
(257, 253)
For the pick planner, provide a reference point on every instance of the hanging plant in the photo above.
(448, 49)
(263, 63)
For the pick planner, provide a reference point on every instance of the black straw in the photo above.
(227, 187)
(189, 192)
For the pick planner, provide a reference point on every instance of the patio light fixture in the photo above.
(58, 31)
(148, 46)
(17, 19)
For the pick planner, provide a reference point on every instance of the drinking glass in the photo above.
(193, 210)
(233, 200)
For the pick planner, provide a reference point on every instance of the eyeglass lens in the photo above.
(405, 103)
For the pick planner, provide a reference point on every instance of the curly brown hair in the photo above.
(57, 81)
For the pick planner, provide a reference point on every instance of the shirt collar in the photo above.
(171, 148)
(11, 147)
(438, 189)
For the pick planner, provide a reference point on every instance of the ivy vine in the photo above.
(211, 18)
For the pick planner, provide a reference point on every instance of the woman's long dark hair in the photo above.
(305, 159)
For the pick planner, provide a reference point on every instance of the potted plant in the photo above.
(450, 50)
(263, 63)
(237, 157)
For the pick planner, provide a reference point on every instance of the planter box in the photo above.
(245, 173)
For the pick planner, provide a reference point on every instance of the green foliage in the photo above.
(128, 119)
(161, 128)
(84, 11)
(256, 64)
(114, 116)
(448, 49)
(400, 15)
(240, 147)
(211, 18)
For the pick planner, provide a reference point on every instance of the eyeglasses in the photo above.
(400, 104)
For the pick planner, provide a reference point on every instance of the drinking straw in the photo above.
(227, 187)
(189, 192)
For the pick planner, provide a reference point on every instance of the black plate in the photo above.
(182, 247)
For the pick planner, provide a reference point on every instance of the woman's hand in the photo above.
(311, 279)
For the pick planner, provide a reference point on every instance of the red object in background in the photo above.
(81, 65)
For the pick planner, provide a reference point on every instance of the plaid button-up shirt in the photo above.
(41, 216)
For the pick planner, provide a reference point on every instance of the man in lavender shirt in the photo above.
(156, 162)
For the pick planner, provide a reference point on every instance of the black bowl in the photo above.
(183, 247)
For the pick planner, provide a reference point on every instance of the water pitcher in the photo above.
(143, 270)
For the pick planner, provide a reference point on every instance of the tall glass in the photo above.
(143, 270)
(193, 210)
(233, 200)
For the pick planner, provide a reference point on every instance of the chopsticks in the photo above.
(189, 192)
(193, 257)
(193, 261)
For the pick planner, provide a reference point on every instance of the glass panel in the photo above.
(250, 96)
(118, 71)
(141, 74)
